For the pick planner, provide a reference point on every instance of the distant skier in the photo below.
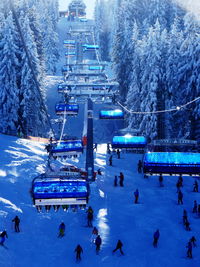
(110, 160)
(108, 148)
(78, 251)
(95, 231)
(136, 194)
(119, 246)
(194, 210)
(189, 250)
(98, 242)
(3, 236)
(187, 225)
(198, 210)
(196, 187)
(61, 230)
(90, 216)
(180, 197)
(139, 166)
(161, 180)
(16, 220)
(184, 216)
(118, 153)
(121, 179)
(193, 241)
(115, 180)
(180, 179)
(156, 236)
(99, 172)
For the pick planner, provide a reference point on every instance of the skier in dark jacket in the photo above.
(139, 166)
(16, 220)
(196, 187)
(184, 216)
(61, 230)
(98, 242)
(161, 180)
(194, 210)
(119, 246)
(189, 251)
(193, 241)
(118, 153)
(121, 179)
(78, 251)
(155, 238)
(3, 236)
(180, 197)
(110, 160)
(136, 194)
(90, 216)
(115, 180)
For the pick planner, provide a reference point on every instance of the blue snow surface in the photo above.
(172, 158)
(67, 146)
(95, 67)
(67, 107)
(111, 114)
(59, 189)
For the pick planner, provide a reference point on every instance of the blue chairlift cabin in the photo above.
(68, 109)
(69, 43)
(186, 163)
(129, 142)
(70, 54)
(83, 19)
(95, 68)
(66, 148)
(54, 191)
(87, 47)
(114, 114)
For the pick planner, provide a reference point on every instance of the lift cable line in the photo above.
(30, 65)
(177, 108)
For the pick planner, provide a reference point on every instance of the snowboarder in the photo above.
(180, 197)
(118, 153)
(193, 241)
(139, 166)
(16, 220)
(161, 180)
(61, 230)
(110, 160)
(121, 179)
(78, 251)
(196, 187)
(184, 216)
(189, 251)
(119, 246)
(155, 238)
(90, 216)
(3, 236)
(194, 210)
(136, 194)
(115, 180)
(98, 242)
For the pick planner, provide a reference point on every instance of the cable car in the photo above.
(70, 54)
(87, 47)
(95, 68)
(129, 142)
(66, 148)
(186, 163)
(53, 191)
(83, 19)
(69, 43)
(68, 109)
(111, 114)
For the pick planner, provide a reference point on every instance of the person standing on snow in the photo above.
(90, 216)
(3, 236)
(78, 251)
(161, 180)
(115, 180)
(189, 250)
(196, 187)
(155, 238)
(121, 179)
(194, 210)
(119, 246)
(16, 220)
(98, 242)
(136, 194)
(118, 153)
(110, 160)
(180, 197)
(61, 230)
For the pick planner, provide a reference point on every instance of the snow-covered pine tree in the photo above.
(9, 91)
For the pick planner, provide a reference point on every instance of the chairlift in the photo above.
(70, 54)
(95, 68)
(69, 43)
(129, 142)
(66, 148)
(68, 109)
(114, 114)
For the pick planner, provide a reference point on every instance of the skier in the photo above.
(16, 220)
(187, 225)
(94, 234)
(155, 238)
(108, 148)
(180, 197)
(194, 210)
(193, 241)
(118, 153)
(61, 230)
(98, 242)
(180, 179)
(90, 216)
(110, 160)
(184, 216)
(99, 172)
(119, 246)
(139, 166)
(189, 251)
(161, 180)
(136, 194)
(178, 185)
(115, 180)
(196, 187)
(3, 236)
(198, 210)
(121, 179)
(78, 251)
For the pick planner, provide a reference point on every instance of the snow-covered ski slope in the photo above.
(115, 215)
